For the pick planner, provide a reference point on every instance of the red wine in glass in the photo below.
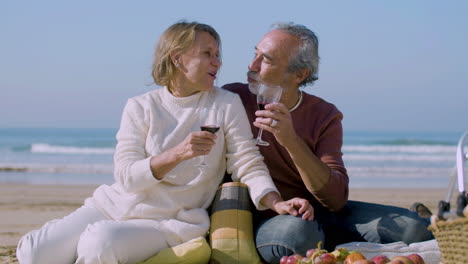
(210, 120)
(261, 105)
(267, 94)
(210, 128)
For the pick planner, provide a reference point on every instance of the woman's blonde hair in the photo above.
(177, 38)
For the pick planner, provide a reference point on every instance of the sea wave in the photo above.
(432, 149)
(401, 157)
(399, 177)
(47, 148)
(58, 168)
(413, 171)
(413, 141)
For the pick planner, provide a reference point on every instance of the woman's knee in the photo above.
(97, 244)
(33, 248)
(27, 250)
(56, 240)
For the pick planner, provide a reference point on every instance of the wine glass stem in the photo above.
(203, 163)
(259, 136)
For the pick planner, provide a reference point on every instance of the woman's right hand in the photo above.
(195, 144)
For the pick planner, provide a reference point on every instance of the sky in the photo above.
(387, 65)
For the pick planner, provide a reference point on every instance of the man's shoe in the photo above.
(421, 210)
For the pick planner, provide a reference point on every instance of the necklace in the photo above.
(298, 102)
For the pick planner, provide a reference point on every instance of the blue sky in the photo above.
(387, 65)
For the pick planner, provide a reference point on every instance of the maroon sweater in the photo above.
(318, 123)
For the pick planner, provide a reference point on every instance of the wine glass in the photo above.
(210, 120)
(267, 94)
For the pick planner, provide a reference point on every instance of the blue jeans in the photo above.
(358, 221)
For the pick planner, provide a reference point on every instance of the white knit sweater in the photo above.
(157, 121)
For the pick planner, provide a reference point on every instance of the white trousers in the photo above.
(86, 236)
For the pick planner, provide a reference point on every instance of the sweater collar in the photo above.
(179, 102)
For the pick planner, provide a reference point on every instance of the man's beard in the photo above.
(253, 87)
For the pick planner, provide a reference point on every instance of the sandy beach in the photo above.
(24, 207)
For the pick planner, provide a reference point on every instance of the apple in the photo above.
(363, 261)
(396, 261)
(417, 259)
(403, 260)
(380, 259)
(284, 260)
(353, 256)
(325, 258)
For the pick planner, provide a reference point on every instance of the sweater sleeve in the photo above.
(244, 161)
(334, 194)
(131, 162)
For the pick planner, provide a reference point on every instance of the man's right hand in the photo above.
(277, 120)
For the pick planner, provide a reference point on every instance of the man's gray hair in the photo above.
(307, 54)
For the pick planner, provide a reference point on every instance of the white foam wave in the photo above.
(400, 157)
(59, 168)
(400, 177)
(46, 148)
(401, 149)
(400, 171)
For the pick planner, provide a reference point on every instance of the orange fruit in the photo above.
(353, 256)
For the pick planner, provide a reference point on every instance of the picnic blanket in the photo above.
(428, 250)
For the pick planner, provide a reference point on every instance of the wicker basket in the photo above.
(452, 237)
(451, 232)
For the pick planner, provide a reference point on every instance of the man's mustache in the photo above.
(253, 75)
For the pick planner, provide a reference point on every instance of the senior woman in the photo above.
(160, 194)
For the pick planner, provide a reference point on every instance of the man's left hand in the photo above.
(294, 207)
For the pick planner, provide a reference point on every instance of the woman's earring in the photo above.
(177, 64)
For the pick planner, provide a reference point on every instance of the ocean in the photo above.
(84, 156)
